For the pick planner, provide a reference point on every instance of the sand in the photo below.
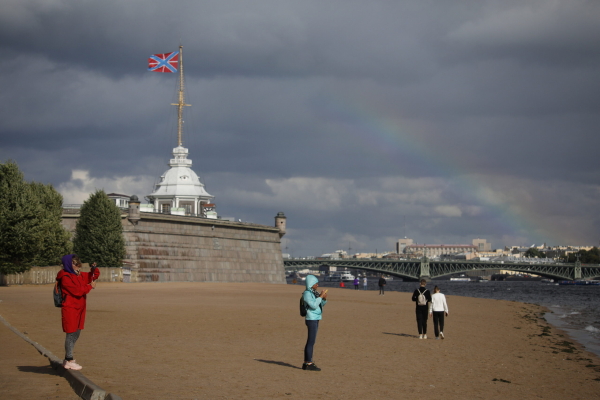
(245, 341)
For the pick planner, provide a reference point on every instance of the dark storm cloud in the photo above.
(464, 120)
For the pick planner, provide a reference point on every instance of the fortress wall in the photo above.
(162, 247)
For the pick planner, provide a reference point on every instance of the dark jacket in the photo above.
(418, 291)
(382, 281)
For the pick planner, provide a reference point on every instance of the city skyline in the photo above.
(362, 122)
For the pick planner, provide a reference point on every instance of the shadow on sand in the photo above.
(278, 363)
(46, 369)
(400, 334)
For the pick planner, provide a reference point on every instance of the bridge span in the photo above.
(427, 269)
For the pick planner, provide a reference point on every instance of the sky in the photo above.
(363, 121)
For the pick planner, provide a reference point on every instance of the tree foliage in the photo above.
(99, 233)
(586, 257)
(30, 223)
(532, 252)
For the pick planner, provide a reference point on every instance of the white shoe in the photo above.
(424, 336)
(420, 336)
(442, 335)
(71, 365)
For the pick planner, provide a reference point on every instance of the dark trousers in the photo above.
(422, 312)
(381, 289)
(313, 327)
(438, 322)
(355, 287)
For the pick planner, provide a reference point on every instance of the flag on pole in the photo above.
(163, 62)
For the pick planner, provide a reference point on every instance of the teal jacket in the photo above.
(314, 304)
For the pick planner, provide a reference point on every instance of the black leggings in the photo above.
(438, 319)
(313, 327)
(381, 289)
(422, 319)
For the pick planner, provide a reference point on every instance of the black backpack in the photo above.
(302, 306)
(58, 297)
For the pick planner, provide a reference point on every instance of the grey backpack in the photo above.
(421, 299)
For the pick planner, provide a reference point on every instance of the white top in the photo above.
(438, 303)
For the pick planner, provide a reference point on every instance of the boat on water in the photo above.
(460, 279)
(579, 283)
(347, 277)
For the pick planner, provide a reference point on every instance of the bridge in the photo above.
(426, 269)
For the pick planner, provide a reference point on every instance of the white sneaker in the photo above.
(424, 336)
(442, 335)
(420, 336)
(71, 365)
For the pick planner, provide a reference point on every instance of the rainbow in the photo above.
(398, 142)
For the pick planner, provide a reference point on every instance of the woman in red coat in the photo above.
(75, 286)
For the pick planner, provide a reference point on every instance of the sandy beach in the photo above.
(240, 341)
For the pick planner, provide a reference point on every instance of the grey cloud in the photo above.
(458, 117)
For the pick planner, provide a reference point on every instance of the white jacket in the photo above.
(438, 303)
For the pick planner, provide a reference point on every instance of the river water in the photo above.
(575, 309)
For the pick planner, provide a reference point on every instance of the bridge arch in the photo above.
(416, 269)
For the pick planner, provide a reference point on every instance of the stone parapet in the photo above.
(46, 275)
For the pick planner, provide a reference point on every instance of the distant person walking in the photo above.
(382, 283)
(365, 282)
(438, 308)
(314, 302)
(356, 283)
(421, 297)
(75, 285)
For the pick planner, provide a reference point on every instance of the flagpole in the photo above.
(181, 102)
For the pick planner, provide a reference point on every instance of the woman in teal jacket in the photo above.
(314, 302)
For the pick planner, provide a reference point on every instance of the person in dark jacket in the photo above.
(75, 286)
(422, 310)
(382, 283)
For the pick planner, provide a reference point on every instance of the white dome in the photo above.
(180, 180)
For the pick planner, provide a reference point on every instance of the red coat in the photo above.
(74, 289)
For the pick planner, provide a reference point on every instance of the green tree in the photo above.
(99, 233)
(533, 252)
(30, 229)
(586, 257)
(55, 238)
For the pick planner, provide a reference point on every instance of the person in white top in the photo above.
(438, 308)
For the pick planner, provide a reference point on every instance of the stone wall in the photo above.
(163, 247)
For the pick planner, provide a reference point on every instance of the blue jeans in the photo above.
(313, 327)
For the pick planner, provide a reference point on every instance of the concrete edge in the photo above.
(82, 386)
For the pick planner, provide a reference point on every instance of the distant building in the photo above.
(402, 243)
(436, 250)
(407, 246)
(120, 200)
(482, 245)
